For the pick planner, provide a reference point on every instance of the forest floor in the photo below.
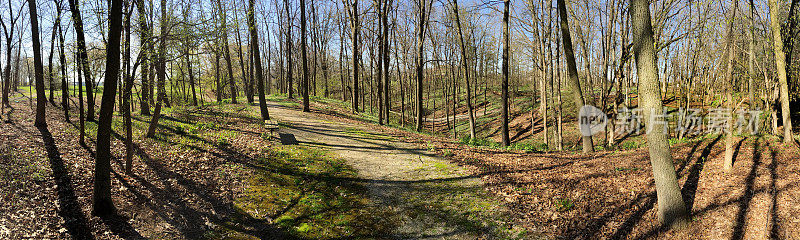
(213, 172)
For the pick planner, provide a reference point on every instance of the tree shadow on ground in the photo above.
(744, 201)
(688, 192)
(69, 208)
(775, 228)
(172, 206)
(689, 189)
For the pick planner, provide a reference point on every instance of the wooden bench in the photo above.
(272, 126)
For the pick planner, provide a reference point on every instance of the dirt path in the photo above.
(433, 198)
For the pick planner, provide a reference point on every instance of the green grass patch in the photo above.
(361, 133)
(479, 142)
(563, 205)
(303, 190)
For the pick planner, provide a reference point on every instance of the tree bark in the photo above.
(146, 43)
(303, 54)
(423, 19)
(671, 208)
(751, 58)
(288, 46)
(63, 60)
(83, 58)
(51, 78)
(504, 85)
(780, 63)
(126, 92)
(81, 119)
(226, 51)
(251, 23)
(41, 99)
(385, 49)
(729, 48)
(572, 70)
(161, 69)
(103, 204)
(465, 65)
(355, 28)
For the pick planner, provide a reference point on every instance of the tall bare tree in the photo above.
(146, 42)
(303, 55)
(355, 28)
(226, 49)
(251, 23)
(41, 99)
(729, 52)
(504, 84)
(465, 65)
(671, 208)
(289, 60)
(103, 204)
(83, 58)
(572, 70)
(780, 63)
(423, 15)
(161, 71)
(63, 62)
(8, 31)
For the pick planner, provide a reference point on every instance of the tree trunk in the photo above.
(83, 58)
(303, 54)
(380, 74)
(465, 65)
(423, 19)
(63, 60)
(559, 109)
(126, 92)
(9, 34)
(191, 76)
(386, 88)
(146, 43)
(572, 70)
(288, 46)
(161, 69)
(251, 23)
(248, 86)
(102, 204)
(41, 99)
(504, 85)
(728, 162)
(51, 78)
(81, 121)
(751, 58)
(671, 208)
(217, 77)
(355, 28)
(780, 63)
(226, 51)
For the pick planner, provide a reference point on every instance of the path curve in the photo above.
(412, 181)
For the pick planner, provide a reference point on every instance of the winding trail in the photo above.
(432, 198)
